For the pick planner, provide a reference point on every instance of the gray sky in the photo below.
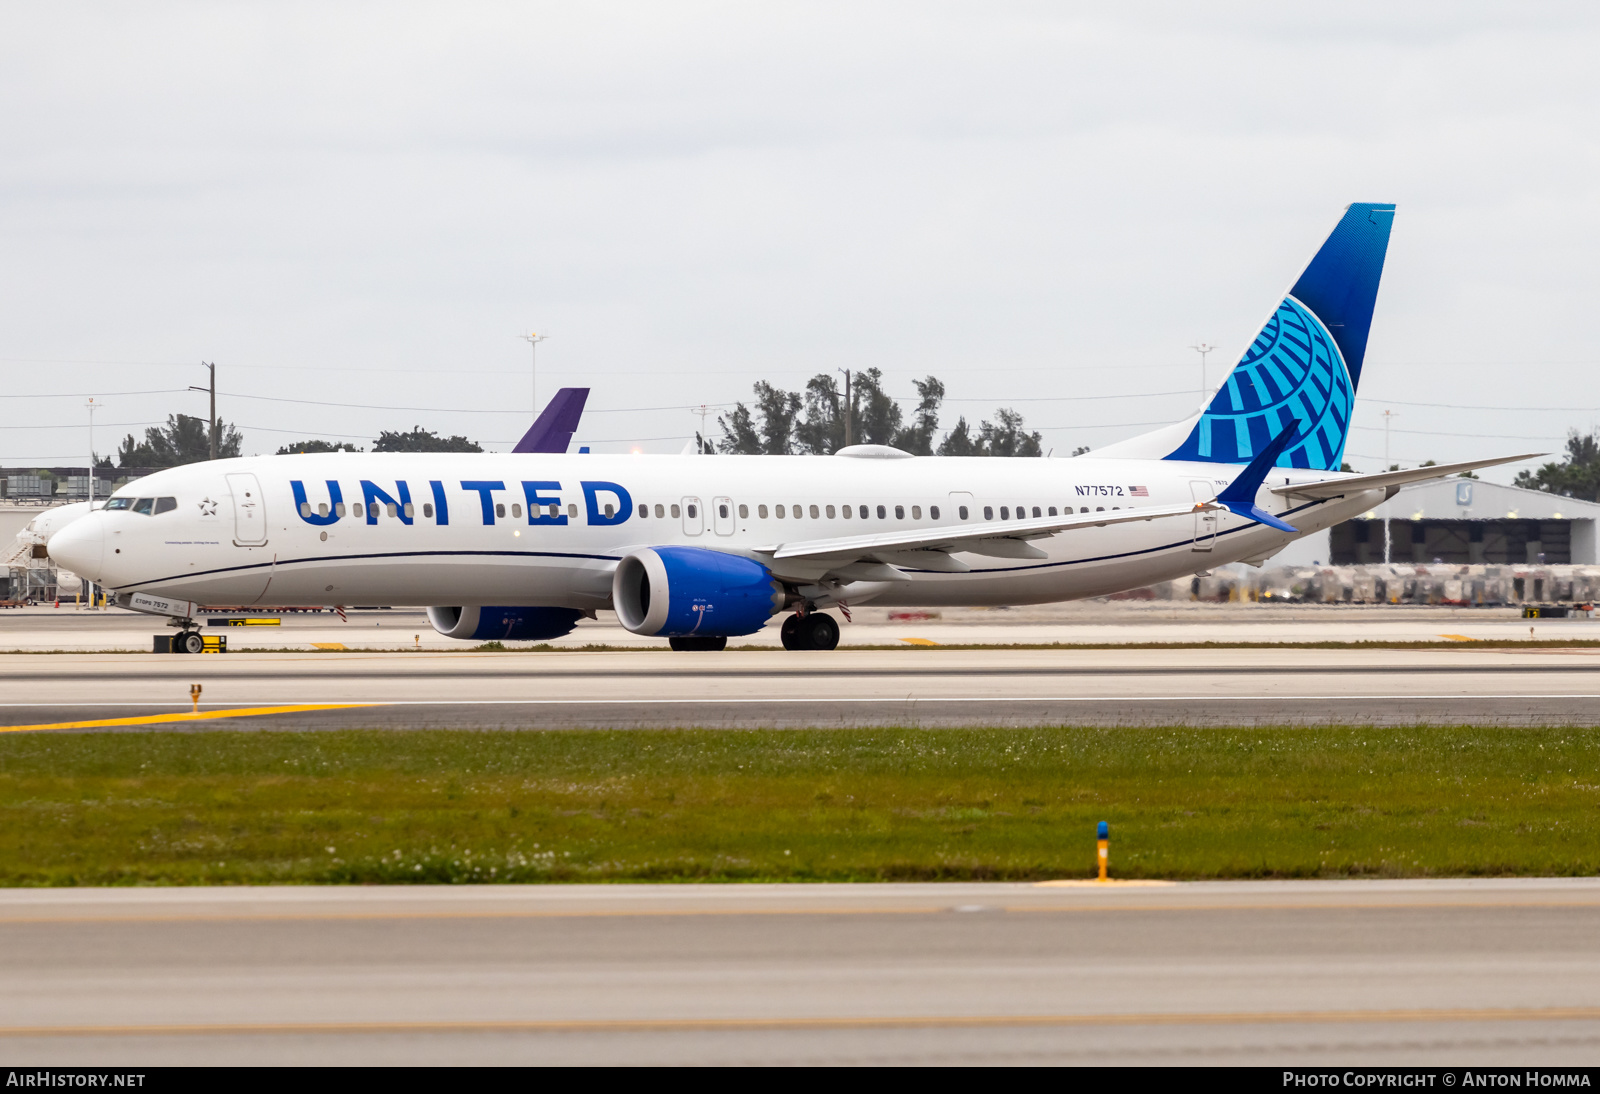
(1037, 203)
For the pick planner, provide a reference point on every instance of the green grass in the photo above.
(443, 806)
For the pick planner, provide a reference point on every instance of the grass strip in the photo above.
(836, 805)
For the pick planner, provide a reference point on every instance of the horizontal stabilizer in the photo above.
(1239, 496)
(1353, 484)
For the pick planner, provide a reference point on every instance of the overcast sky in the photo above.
(1041, 204)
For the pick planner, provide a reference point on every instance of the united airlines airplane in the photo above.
(700, 549)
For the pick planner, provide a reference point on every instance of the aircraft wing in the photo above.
(1333, 488)
(1005, 539)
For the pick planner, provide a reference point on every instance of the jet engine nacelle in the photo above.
(516, 624)
(678, 591)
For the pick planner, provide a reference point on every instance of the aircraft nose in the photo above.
(81, 546)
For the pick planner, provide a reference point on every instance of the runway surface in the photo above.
(917, 687)
(1314, 973)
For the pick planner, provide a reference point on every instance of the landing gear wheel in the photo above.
(707, 643)
(816, 631)
(820, 632)
(190, 642)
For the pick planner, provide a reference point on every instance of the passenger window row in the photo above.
(816, 512)
(659, 510)
(144, 506)
(1022, 511)
(865, 512)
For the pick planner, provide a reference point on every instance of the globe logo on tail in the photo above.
(1293, 370)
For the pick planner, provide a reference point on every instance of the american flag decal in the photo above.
(1138, 491)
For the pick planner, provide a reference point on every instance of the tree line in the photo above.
(1575, 475)
(183, 440)
(829, 413)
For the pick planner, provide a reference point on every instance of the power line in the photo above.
(95, 394)
(103, 425)
(1457, 433)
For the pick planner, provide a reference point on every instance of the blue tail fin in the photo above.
(1306, 361)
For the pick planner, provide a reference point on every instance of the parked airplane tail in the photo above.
(552, 431)
(1304, 364)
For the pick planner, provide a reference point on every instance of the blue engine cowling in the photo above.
(676, 591)
(515, 624)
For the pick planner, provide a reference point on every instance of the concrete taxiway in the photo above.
(917, 687)
(1315, 973)
(46, 629)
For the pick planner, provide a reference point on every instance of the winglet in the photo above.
(552, 431)
(1239, 496)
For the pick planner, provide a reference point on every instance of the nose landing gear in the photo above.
(813, 631)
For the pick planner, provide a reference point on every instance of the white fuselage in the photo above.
(238, 535)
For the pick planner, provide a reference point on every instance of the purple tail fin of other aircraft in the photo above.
(553, 429)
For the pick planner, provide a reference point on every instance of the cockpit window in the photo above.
(120, 503)
(143, 505)
(165, 505)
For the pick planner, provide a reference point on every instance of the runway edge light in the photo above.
(1103, 836)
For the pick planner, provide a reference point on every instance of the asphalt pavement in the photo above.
(1306, 973)
(917, 687)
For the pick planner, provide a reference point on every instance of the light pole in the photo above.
(533, 339)
(92, 409)
(1203, 348)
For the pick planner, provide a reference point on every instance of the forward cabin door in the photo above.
(694, 517)
(249, 511)
(722, 516)
(1205, 524)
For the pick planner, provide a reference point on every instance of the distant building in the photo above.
(1462, 521)
(63, 484)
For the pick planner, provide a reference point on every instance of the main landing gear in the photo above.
(182, 642)
(812, 631)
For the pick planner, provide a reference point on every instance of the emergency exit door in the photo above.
(694, 517)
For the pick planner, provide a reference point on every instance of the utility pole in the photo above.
(92, 409)
(1387, 415)
(1203, 348)
(213, 391)
(849, 411)
(700, 437)
(533, 339)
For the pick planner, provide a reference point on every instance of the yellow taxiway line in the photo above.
(187, 716)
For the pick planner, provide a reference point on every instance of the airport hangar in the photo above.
(1465, 521)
